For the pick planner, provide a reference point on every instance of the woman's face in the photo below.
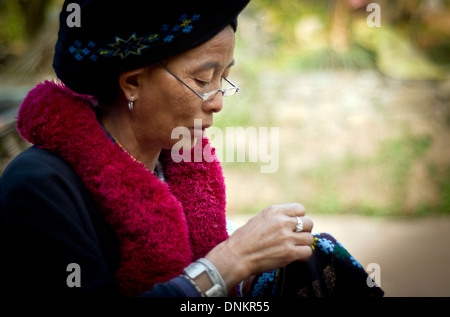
(164, 103)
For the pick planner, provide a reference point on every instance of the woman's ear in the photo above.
(129, 82)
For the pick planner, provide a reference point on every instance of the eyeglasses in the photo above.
(230, 91)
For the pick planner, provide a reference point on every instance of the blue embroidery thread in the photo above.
(79, 52)
(265, 281)
(135, 44)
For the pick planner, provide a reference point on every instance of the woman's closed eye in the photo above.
(202, 83)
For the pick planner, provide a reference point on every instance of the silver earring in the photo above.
(131, 103)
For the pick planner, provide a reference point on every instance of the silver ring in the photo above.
(299, 227)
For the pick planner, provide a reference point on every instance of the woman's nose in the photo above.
(215, 104)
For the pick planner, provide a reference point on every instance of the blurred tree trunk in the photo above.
(340, 25)
(34, 16)
(39, 38)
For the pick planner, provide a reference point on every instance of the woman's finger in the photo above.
(304, 253)
(302, 224)
(292, 210)
(303, 239)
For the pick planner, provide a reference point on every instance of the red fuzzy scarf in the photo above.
(162, 227)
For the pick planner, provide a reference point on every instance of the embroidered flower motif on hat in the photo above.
(187, 29)
(168, 38)
(185, 26)
(79, 52)
(131, 46)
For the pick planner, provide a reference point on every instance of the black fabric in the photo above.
(48, 220)
(330, 272)
(115, 36)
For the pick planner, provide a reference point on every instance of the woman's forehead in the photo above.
(213, 54)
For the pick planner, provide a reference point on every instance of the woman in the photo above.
(98, 206)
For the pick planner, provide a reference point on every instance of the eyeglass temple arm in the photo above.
(179, 79)
(229, 81)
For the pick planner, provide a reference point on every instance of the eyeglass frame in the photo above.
(206, 96)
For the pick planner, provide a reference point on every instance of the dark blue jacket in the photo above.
(48, 221)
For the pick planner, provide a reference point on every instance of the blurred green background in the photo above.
(363, 112)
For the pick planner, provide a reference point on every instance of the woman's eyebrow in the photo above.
(212, 65)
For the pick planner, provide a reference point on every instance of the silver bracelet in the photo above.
(219, 288)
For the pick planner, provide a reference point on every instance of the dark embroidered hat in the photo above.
(99, 39)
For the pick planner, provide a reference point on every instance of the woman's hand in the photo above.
(267, 241)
